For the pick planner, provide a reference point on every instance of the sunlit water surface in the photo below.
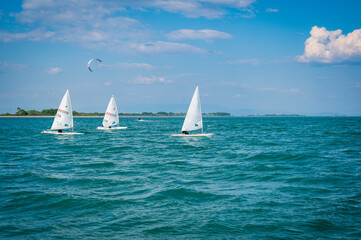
(256, 178)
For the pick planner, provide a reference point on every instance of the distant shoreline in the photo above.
(94, 116)
(52, 112)
(47, 116)
(141, 116)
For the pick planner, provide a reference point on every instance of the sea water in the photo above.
(256, 178)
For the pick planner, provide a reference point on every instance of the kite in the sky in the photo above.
(91, 61)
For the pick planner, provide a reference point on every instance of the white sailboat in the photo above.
(111, 117)
(193, 120)
(64, 118)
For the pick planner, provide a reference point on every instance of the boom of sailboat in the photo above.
(63, 120)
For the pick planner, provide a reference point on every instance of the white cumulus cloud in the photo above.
(205, 34)
(331, 46)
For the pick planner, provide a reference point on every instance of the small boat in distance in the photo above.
(193, 120)
(111, 117)
(64, 118)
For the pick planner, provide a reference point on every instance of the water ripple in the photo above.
(256, 178)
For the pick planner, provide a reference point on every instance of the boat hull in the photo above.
(193, 135)
(112, 128)
(61, 133)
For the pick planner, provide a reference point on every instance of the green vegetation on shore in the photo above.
(52, 112)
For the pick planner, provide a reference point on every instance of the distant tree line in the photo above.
(220, 114)
(75, 113)
(44, 112)
(53, 111)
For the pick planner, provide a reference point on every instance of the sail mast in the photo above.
(64, 116)
(111, 117)
(193, 119)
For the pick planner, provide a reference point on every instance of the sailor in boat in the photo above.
(60, 131)
(139, 119)
(184, 132)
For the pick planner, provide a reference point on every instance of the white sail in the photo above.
(64, 117)
(111, 117)
(193, 120)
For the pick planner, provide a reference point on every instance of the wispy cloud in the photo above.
(90, 24)
(108, 83)
(150, 80)
(129, 65)
(274, 89)
(292, 91)
(268, 89)
(201, 8)
(166, 47)
(5, 66)
(271, 10)
(34, 35)
(262, 89)
(244, 61)
(325, 46)
(103, 24)
(54, 70)
(205, 34)
(190, 9)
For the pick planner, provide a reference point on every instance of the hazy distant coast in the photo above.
(51, 113)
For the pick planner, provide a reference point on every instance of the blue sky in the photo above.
(246, 56)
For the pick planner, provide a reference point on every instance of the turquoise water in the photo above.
(257, 178)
